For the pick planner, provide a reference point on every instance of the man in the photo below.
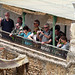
(44, 35)
(16, 30)
(19, 20)
(58, 27)
(7, 23)
(37, 24)
(58, 34)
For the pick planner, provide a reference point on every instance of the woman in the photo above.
(63, 43)
(25, 33)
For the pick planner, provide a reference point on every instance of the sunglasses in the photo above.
(35, 23)
(18, 26)
(6, 15)
(45, 27)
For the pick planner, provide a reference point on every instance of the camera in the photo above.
(34, 32)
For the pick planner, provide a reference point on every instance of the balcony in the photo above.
(46, 48)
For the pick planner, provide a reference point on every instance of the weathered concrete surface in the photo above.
(41, 63)
(71, 54)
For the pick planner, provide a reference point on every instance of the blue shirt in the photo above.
(7, 25)
(24, 35)
(26, 40)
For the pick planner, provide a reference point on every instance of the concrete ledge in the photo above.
(34, 53)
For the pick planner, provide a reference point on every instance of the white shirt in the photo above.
(33, 36)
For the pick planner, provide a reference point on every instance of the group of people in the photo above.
(44, 35)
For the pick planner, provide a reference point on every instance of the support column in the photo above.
(23, 15)
(54, 21)
(23, 18)
(71, 54)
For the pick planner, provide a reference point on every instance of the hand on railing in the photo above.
(20, 32)
(10, 34)
(42, 42)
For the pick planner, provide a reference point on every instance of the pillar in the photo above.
(23, 18)
(54, 21)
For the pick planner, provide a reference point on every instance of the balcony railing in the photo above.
(50, 49)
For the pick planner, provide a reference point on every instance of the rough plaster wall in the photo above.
(29, 18)
(67, 31)
(12, 15)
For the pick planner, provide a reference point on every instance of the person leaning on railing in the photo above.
(25, 33)
(37, 24)
(45, 35)
(16, 30)
(7, 25)
(33, 35)
(63, 43)
(19, 20)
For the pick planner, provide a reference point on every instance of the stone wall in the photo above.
(41, 63)
(41, 67)
(72, 43)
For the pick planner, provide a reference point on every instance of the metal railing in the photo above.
(50, 49)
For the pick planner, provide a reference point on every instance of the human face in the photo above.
(56, 32)
(25, 31)
(17, 26)
(46, 28)
(35, 24)
(63, 41)
(18, 20)
(6, 15)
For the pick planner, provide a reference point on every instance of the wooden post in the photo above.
(54, 21)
